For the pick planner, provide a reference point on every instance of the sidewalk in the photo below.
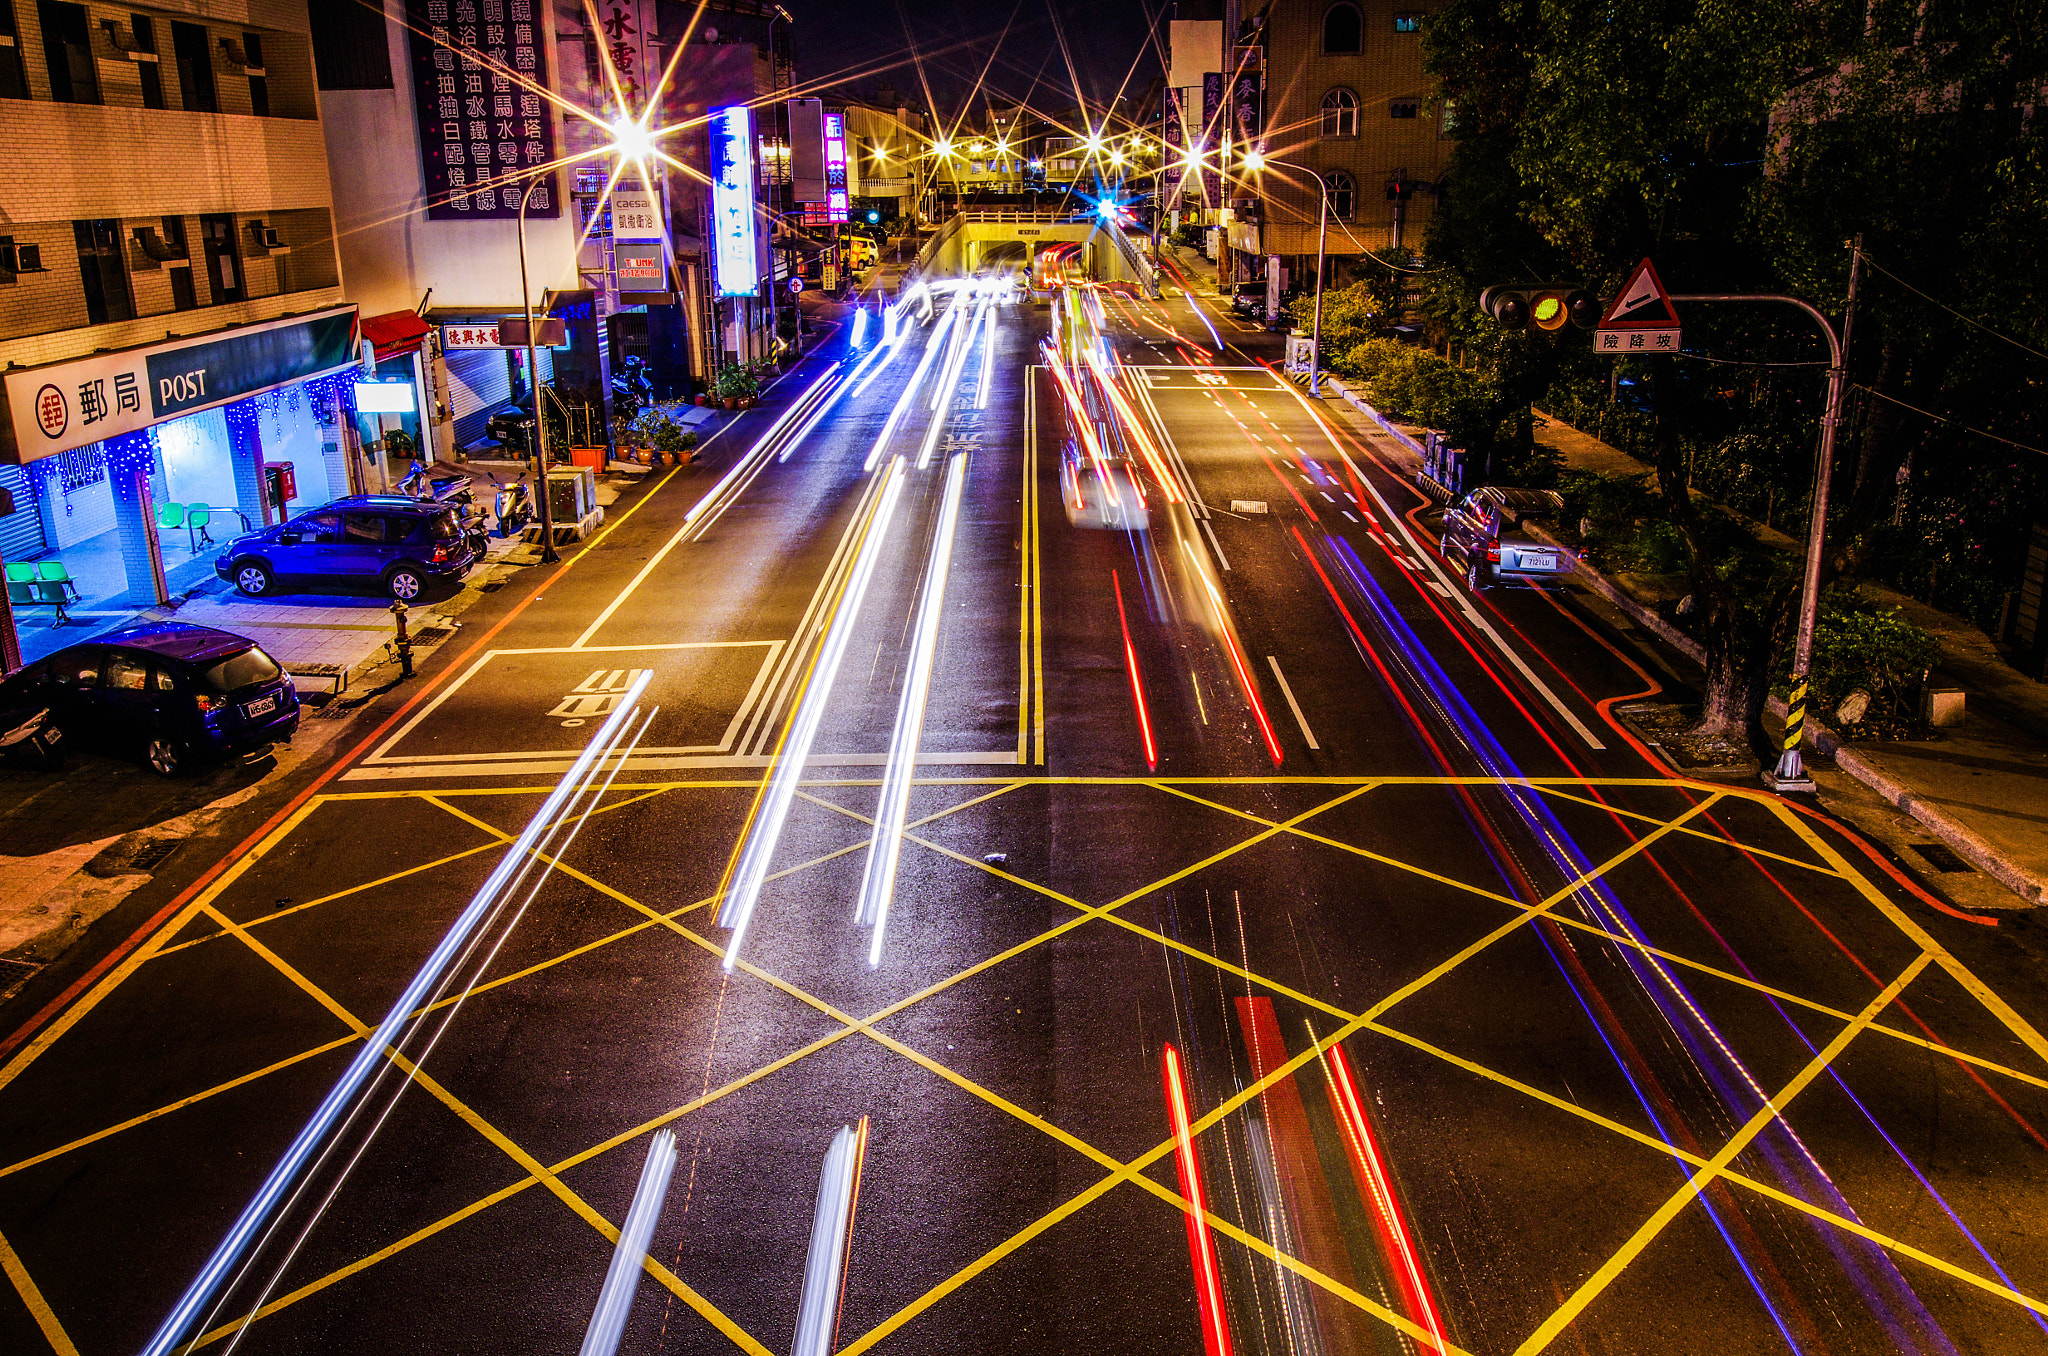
(1980, 788)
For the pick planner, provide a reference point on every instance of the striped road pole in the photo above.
(1790, 773)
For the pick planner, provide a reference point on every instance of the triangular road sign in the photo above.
(1642, 303)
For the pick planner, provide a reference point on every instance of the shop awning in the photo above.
(395, 333)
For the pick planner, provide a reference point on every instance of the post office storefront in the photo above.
(136, 465)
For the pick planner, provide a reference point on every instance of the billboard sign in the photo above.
(732, 201)
(835, 167)
(477, 69)
(635, 215)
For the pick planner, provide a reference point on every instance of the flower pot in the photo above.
(732, 402)
(703, 399)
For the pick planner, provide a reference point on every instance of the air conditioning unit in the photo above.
(157, 248)
(266, 237)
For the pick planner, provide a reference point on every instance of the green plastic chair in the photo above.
(53, 570)
(197, 516)
(20, 571)
(170, 515)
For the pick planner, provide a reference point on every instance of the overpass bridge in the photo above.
(972, 239)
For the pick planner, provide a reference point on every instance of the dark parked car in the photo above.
(387, 541)
(173, 692)
(511, 427)
(1484, 533)
(1248, 299)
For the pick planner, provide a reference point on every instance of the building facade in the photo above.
(1337, 87)
(173, 333)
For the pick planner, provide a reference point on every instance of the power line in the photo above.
(1950, 309)
(1942, 419)
(1738, 362)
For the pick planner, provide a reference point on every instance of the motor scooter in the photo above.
(514, 505)
(30, 739)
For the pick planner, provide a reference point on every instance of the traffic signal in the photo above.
(874, 217)
(1549, 309)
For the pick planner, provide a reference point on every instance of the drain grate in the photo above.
(432, 635)
(14, 974)
(1942, 857)
(154, 855)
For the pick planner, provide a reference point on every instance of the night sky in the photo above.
(958, 36)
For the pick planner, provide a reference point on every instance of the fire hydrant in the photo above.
(403, 642)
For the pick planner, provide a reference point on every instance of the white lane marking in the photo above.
(1465, 604)
(1326, 494)
(1211, 534)
(1349, 514)
(1292, 704)
(1440, 588)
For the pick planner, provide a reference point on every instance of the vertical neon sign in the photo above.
(732, 201)
(835, 167)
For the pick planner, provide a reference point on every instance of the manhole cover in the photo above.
(1942, 857)
(154, 855)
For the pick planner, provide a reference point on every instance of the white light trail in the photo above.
(755, 453)
(878, 884)
(622, 1278)
(817, 1315)
(909, 396)
(988, 358)
(372, 1054)
(948, 382)
(751, 871)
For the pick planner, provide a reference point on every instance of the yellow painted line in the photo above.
(1725, 840)
(1962, 974)
(1591, 1289)
(38, 1307)
(133, 1121)
(114, 978)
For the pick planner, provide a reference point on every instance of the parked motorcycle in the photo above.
(632, 389)
(514, 505)
(28, 738)
(421, 483)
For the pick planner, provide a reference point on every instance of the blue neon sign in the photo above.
(732, 201)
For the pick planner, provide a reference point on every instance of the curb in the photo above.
(1967, 843)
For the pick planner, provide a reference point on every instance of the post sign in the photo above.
(61, 406)
(639, 267)
(477, 67)
(828, 279)
(732, 202)
(474, 334)
(1641, 319)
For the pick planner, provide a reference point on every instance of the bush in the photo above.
(1858, 645)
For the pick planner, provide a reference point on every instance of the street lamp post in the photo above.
(1254, 161)
(540, 422)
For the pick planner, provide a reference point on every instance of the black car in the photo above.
(171, 692)
(511, 427)
(1248, 299)
(387, 541)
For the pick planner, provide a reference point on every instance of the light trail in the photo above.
(1137, 685)
(757, 454)
(909, 396)
(1201, 1247)
(948, 384)
(1374, 1181)
(878, 882)
(817, 1315)
(988, 359)
(1128, 418)
(1237, 659)
(622, 1277)
(771, 811)
(372, 1056)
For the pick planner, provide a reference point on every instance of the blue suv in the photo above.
(172, 691)
(388, 541)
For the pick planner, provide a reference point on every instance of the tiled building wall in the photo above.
(1386, 72)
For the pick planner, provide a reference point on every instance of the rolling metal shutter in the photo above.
(479, 384)
(21, 532)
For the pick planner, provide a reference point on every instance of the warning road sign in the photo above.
(1641, 318)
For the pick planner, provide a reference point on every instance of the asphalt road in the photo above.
(1478, 1015)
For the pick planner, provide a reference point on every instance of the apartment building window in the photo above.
(1343, 29)
(1340, 113)
(223, 260)
(13, 79)
(351, 51)
(1343, 194)
(101, 271)
(1404, 108)
(259, 85)
(67, 47)
(144, 29)
(195, 68)
(1407, 21)
(184, 296)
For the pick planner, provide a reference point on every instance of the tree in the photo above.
(1741, 145)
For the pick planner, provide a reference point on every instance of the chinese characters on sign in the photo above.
(626, 28)
(732, 201)
(478, 67)
(835, 167)
(634, 215)
(1635, 341)
(476, 335)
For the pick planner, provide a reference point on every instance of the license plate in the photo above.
(51, 734)
(260, 708)
(1533, 561)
